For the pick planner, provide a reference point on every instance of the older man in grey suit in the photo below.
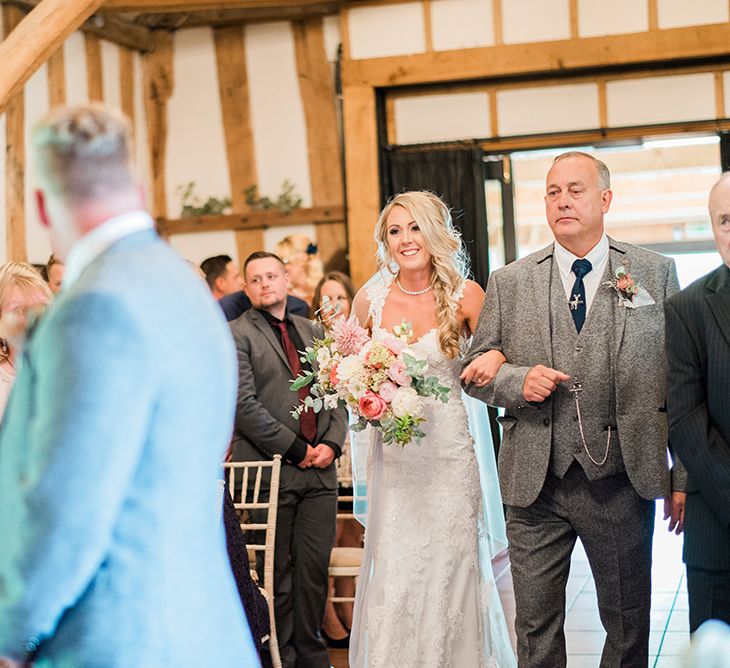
(580, 324)
(267, 339)
(113, 552)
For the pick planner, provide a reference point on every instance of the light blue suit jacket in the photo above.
(112, 551)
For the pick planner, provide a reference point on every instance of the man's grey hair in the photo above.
(604, 176)
(83, 153)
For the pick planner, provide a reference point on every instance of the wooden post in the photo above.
(158, 86)
(14, 156)
(37, 36)
(233, 91)
(318, 99)
(94, 75)
(363, 190)
(57, 79)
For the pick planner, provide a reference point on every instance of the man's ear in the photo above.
(40, 203)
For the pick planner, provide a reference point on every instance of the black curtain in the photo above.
(457, 176)
(725, 151)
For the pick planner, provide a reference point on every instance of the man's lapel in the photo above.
(617, 257)
(542, 277)
(718, 299)
(269, 335)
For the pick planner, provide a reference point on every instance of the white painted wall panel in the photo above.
(547, 109)
(670, 99)
(36, 105)
(200, 245)
(598, 17)
(386, 30)
(726, 89)
(277, 114)
(77, 89)
(332, 39)
(110, 74)
(678, 13)
(196, 149)
(461, 24)
(535, 20)
(430, 118)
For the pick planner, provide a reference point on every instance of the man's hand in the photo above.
(482, 370)
(674, 511)
(324, 455)
(308, 460)
(541, 381)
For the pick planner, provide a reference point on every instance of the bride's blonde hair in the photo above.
(448, 258)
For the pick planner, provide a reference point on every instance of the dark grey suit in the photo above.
(553, 491)
(698, 407)
(307, 498)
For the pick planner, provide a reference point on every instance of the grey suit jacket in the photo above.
(113, 551)
(515, 320)
(264, 425)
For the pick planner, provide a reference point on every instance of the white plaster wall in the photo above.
(77, 90)
(598, 17)
(110, 74)
(332, 39)
(461, 24)
(452, 116)
(277, 114)
(547, 109)
(670, 99)
(726, 90)
(386, 30)
(200, 245)
(535, 20)
(37, 243)
(678, 13)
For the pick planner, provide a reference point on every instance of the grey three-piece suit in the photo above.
(554, 492)
(307, 497)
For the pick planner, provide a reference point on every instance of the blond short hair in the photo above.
(83, 153)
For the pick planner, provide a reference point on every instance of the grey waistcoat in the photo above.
(588, 358)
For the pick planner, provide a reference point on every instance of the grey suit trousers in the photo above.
(615, 526)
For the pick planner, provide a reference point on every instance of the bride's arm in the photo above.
(482, 369)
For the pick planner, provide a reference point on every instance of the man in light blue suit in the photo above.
(112, 548)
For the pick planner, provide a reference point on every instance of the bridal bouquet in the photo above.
(379, 379)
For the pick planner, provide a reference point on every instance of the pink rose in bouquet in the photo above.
(397, 372)
(372, 406)
(387, 391)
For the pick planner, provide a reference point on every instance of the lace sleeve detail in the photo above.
(459, 292)
(377, 289)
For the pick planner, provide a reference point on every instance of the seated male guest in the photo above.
(236, 304)
(222, 275)
(267, 339)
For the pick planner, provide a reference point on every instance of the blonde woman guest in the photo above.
(426, 594)
(22, 290)
(332, 300)
(303, 265)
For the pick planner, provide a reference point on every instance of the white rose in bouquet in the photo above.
(406, 402)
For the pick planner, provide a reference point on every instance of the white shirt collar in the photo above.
(596, 256)
(93, 244)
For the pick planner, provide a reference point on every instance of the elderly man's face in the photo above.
(720, 216)
(574, 203)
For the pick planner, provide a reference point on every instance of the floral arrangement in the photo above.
(380, 380)
(630, 293)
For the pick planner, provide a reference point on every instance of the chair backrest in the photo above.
(245, 486)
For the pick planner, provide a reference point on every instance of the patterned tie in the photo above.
(308, 419)
(578, 295)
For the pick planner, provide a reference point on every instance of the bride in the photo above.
(426, 595)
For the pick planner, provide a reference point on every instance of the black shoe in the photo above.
(340, 643)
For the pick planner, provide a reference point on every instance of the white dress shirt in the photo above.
(598, 256)
(93, 244)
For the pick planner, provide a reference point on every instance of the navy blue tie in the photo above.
(577, 299)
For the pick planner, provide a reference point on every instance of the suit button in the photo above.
(578, 348)
(546, 422)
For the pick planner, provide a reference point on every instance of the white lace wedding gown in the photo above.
(426, 595)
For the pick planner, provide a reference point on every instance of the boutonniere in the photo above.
(630, 293)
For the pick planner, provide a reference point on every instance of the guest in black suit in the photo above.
(698, 404)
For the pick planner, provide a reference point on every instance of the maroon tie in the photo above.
(308, 419)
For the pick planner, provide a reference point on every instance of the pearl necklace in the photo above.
(413, 293)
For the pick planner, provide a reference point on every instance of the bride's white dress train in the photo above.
(426, 595)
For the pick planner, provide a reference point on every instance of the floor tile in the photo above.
(585, 642)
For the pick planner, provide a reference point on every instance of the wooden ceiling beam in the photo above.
(161, 6)
(105, 26)
(38, 36)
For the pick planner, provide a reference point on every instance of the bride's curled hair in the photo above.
(448, 258)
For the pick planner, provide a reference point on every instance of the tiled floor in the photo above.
(584, 633)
